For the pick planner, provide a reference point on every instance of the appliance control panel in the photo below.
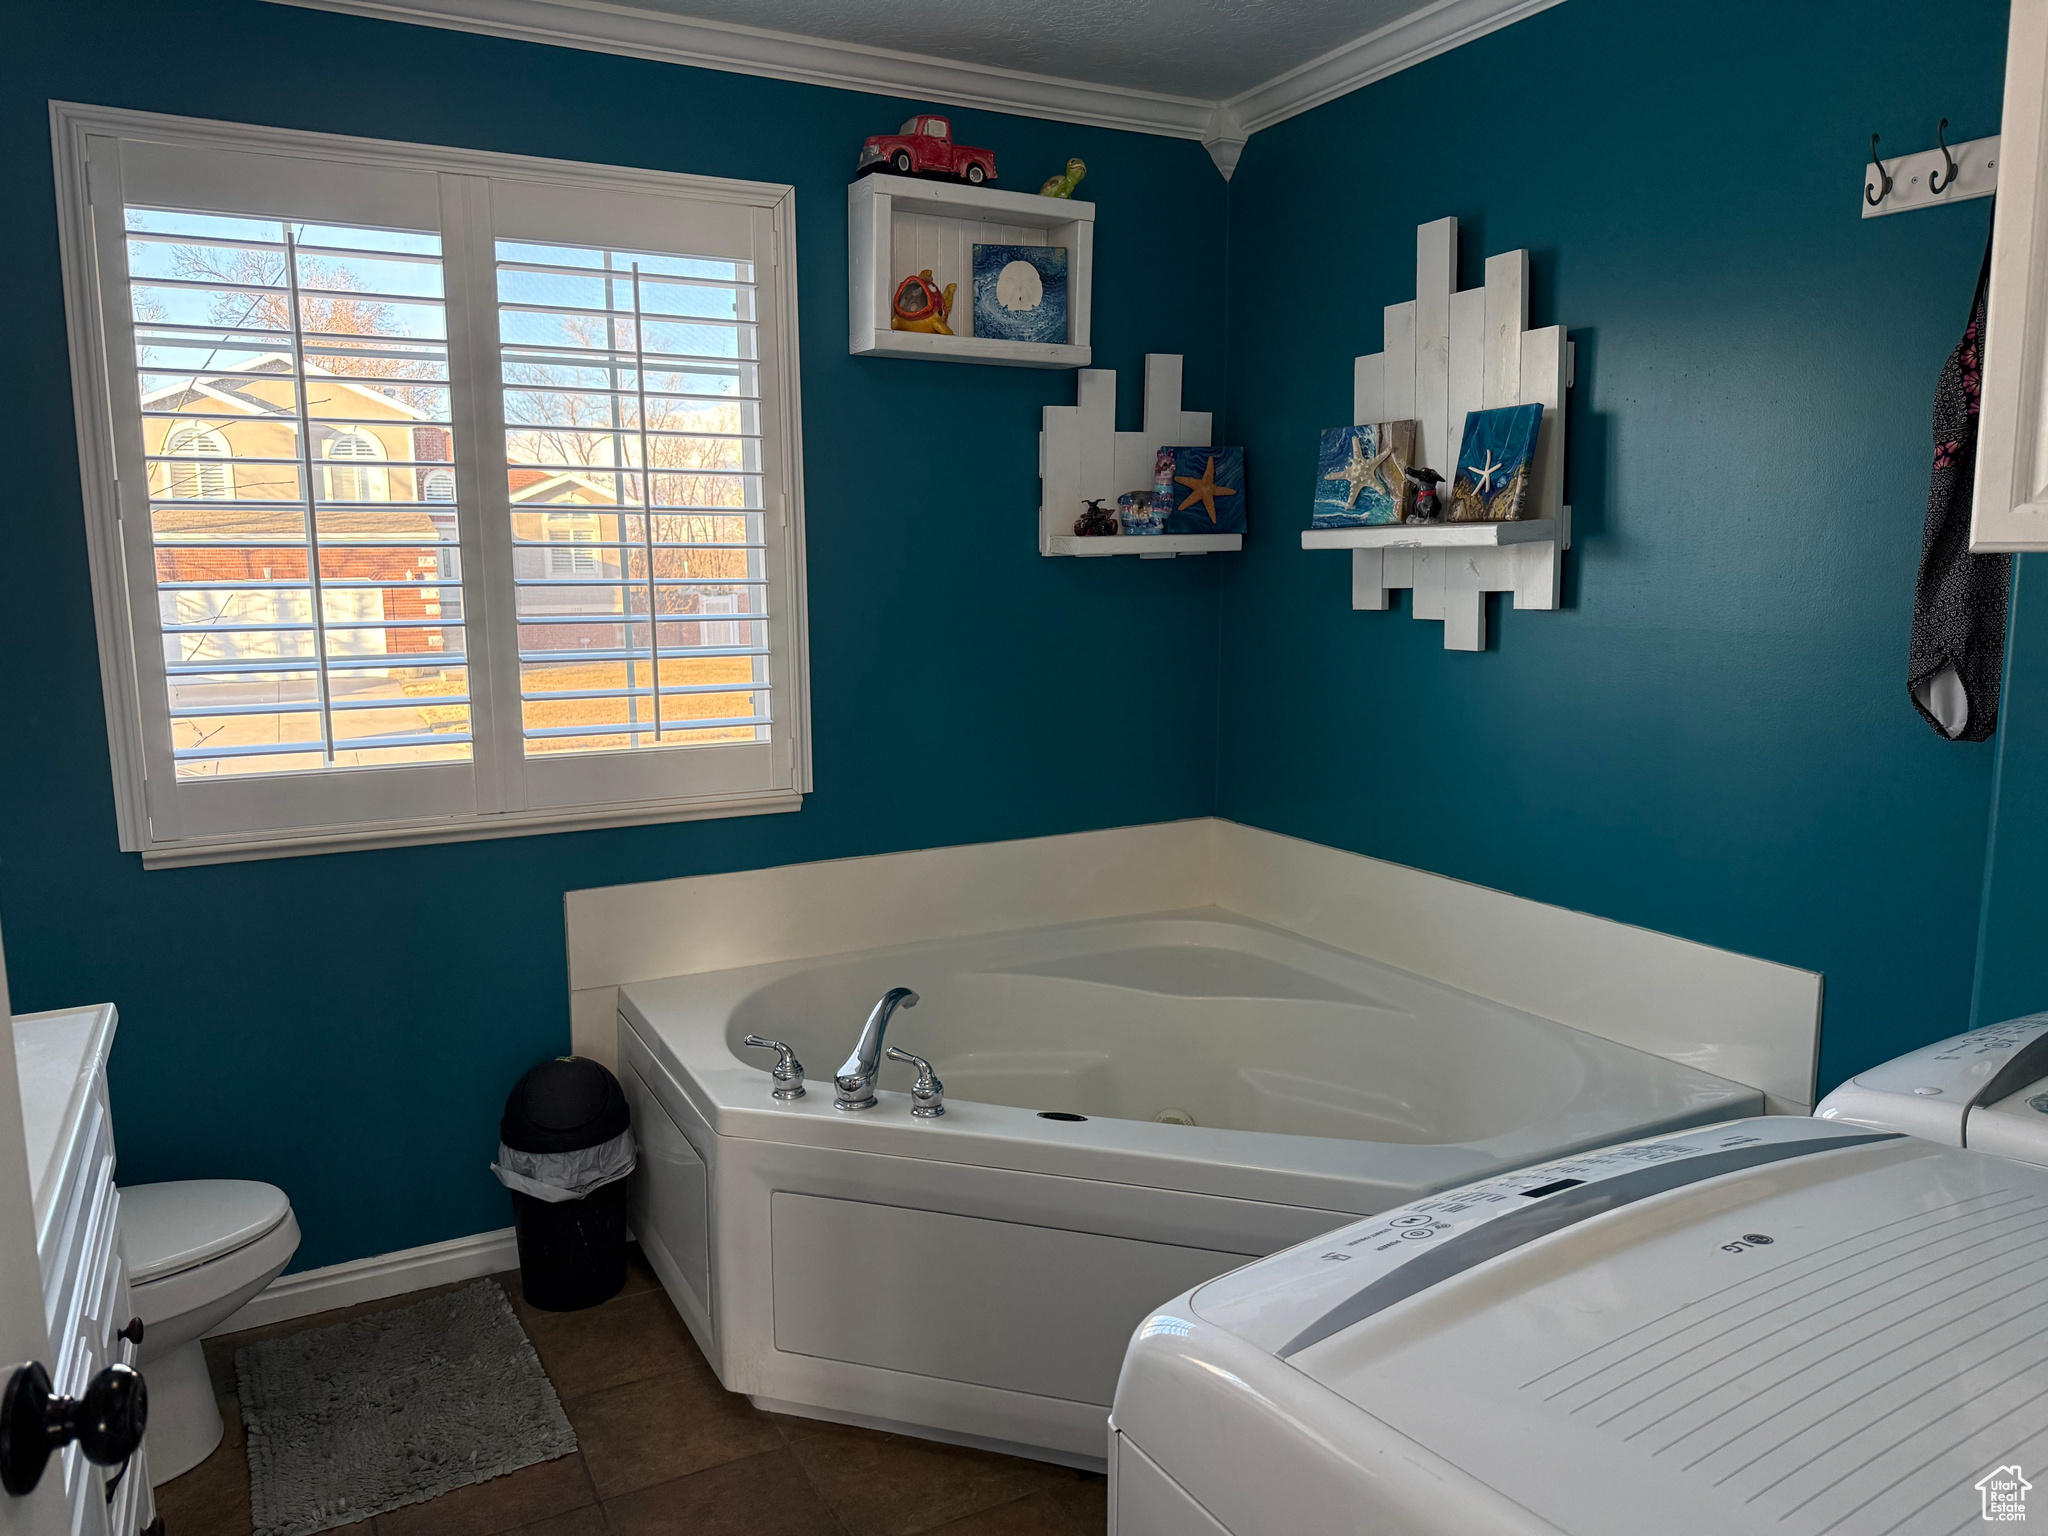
(1297, 1298)
(1931, 1092)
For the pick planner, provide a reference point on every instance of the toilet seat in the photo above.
(167, 1229)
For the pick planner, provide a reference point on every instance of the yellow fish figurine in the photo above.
(919, 306)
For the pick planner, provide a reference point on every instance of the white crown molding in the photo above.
(1424, 34)
(643, 34)
(1221, 126)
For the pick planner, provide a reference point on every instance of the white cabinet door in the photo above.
(2011, 506)
(24, 1334)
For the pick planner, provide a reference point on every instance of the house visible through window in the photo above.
(294, 374)
(578, 533)
(197, 463)
(349, 483)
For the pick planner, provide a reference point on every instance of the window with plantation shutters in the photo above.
(632, 382)
(433, 494)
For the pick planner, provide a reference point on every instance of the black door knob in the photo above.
(132, 1333)
(107, 1422)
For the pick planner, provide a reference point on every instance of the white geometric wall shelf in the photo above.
(1449, 352)
(1082, 457)
(897, 226)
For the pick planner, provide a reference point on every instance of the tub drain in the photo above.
(1174, 1117)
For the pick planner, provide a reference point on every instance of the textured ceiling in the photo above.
(1202, 48)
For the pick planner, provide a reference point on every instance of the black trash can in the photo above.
(567, 1147)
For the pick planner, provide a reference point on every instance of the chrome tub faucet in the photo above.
(855, 1079)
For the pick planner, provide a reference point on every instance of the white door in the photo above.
(24, 1336)
(2011, 506)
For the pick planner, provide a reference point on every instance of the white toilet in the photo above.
(196, 1251)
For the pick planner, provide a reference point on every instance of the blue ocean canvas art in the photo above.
(1020, 292)
(1362, 476)
(1492, 483)
(1208, 491)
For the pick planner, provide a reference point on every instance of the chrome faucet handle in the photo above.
(927, 1094)
(788, 1072)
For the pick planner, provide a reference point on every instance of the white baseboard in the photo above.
(374, 1278)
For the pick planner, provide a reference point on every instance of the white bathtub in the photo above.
(975, 1277)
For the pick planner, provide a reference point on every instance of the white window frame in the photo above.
(497, 801)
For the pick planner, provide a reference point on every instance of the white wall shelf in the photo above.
(1148, 546)
(897, 226)
(1528, 530)
(1082, 457)
(1448, 352)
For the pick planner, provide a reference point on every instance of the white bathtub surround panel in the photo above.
(1735, 1016)
(594, 1024)
(814, 1362)
(624, 933)
(1754, 1021)
(1122, 1020)
(933, 1319)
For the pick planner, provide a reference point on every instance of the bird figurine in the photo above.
(1096, 521)
(1425, 481)
(1063, 185)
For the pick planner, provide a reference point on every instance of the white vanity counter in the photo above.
(61, 1059)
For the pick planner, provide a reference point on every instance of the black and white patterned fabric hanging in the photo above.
(1960, 600)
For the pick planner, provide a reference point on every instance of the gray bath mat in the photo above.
(349, 1421)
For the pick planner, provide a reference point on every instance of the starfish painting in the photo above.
(1203, 488)
(1492, 483)
(1358, 473)
(1361, 474)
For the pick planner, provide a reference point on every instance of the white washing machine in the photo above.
(1986, 1090)
(1782, 1325)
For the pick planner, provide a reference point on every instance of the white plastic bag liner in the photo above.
(559, 1176)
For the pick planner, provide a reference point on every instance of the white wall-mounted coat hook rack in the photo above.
(1948, 173)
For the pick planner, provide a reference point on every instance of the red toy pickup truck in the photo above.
(924, 147)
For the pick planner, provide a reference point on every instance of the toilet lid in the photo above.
(166, 1228)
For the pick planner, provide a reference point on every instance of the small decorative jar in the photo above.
(1142, 512)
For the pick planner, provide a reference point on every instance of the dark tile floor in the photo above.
(665, 1449)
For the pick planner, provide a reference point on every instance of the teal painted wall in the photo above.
(346, 1026)
(2012, 973)
(1712, 738)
